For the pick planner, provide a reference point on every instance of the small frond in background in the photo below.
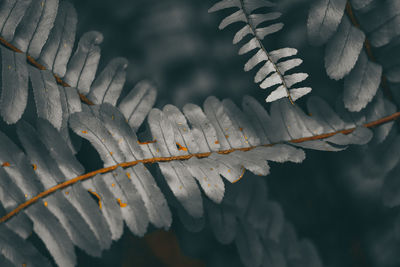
(258, 24)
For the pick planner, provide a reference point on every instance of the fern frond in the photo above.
(222, 141)
(44, 36)
(348, 53)
(275, 63)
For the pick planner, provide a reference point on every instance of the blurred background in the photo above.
(177, 44)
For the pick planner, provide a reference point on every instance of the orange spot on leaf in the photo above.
(5, 164)
(180, 147)
(45, 203)
(146, 142)
(128, 175)
(216, 142)
(97, 196)
(122, 205)
(34, 166)
(85, 132)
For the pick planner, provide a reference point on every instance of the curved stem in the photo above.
(36, 64)
(89, 175)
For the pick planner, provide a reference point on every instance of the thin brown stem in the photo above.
(36, 64)
(89, 175)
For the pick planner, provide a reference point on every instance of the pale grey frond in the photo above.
(154, 200)
(258, 117)
(138, 103)
(58, 48)
(264, 71)
(223, 5)
(202, 129)
(207, 177)
(119, 129)
(361, 85)
(324, 114)
(296, 93)
(241, 122)
(163, 132)
(54, 236)
(183, 134)
(70, 167)
(184, 187)
(82, 66)
(323, 19)
(91, 128)
(124, 143)
(47, 96)
(19, 252)
(383, 25)
(20, 170)
(359, 136)
(131, 204)
(278, 54)
(259, 22)
(264, 31)
(289, 64)
(295, 78)
(10, 196)
(228, 135)
(343, 50)
(109, 205)
(14, 93)
(107, 86)
(257, 19)
(34, 28)
(238, 16)
(11, 14)
(61, 205)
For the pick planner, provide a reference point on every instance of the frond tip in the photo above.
(259, 24)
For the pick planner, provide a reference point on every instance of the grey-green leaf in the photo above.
(361, 84)
(138, 103)
(33, 31)
(11, 14)
(108, 84)
(47, 96)
(343, 50)
(14, 93)
(58, 48)
(323, 19)
(82, 67)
